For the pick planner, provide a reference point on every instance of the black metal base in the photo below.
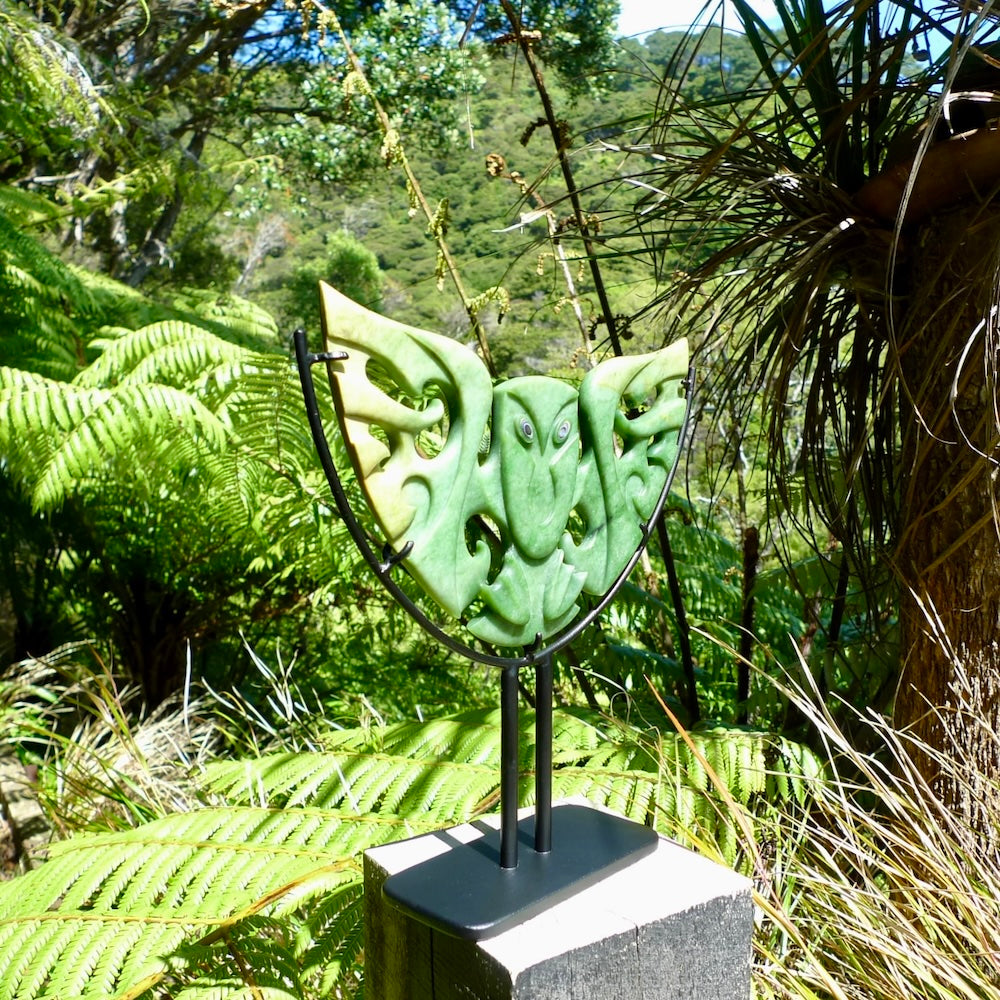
(466, 893)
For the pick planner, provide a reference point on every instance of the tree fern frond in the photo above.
(17, 379)
(262, 480)
(366, 781)
(35, 413)
(27, 208)
(120, 905)
(467, 736)
(266, 893)
(25, 263)
(170, 352)
(117, 306)
(46, 344)
(64, 435)
(254, 960)
(448, 770)
(331, 942)
(228, 385)
(51, 73)
(40, 301)
(119, 428)
(268, 398)
(234, 318)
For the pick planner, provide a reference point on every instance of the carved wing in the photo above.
(415, 451)
(626, 455)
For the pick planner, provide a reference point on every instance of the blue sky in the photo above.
(641, 16)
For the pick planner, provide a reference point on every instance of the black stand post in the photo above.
(543, 755)
(509, 761)
(508, 767)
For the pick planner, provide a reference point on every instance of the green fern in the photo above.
(447, 771)
(26, 208)
(234, 318)
(109, 914)
(171, 352)
(262, 896)
(166, 396)
(169, 420)
(47, 77)
(117, 306)
(40, 302)
(60, 437)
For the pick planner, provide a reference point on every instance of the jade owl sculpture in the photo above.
(509, 504)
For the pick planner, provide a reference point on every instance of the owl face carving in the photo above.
(487, 534)
(536, 435)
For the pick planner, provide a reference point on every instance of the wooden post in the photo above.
(671, 926)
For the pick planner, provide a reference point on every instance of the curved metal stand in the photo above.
(593, 845)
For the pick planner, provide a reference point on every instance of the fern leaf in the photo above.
(24, 259)
(170, 352)
(234, 318)
(266, 898)
(17, 380)
(107, 912)
(26, 208)
(78, 431)
(331, 940)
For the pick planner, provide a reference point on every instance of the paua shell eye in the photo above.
(525, 428)
(562, 432)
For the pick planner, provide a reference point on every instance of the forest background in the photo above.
(199, 672)
(265, 212)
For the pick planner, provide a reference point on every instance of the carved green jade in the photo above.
(517, 499)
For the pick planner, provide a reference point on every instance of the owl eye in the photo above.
(562, 432)
(526, 428)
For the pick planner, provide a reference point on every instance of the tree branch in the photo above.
(524, 41)
(396, 152)
(965, 166)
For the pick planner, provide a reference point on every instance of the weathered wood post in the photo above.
(670, 926)
(520, 509)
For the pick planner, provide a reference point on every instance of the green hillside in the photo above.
(509, 222)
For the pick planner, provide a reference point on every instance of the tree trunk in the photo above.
(948, 552)
(154, 247)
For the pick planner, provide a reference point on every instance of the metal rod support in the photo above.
(508, 767)
(543, 755)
